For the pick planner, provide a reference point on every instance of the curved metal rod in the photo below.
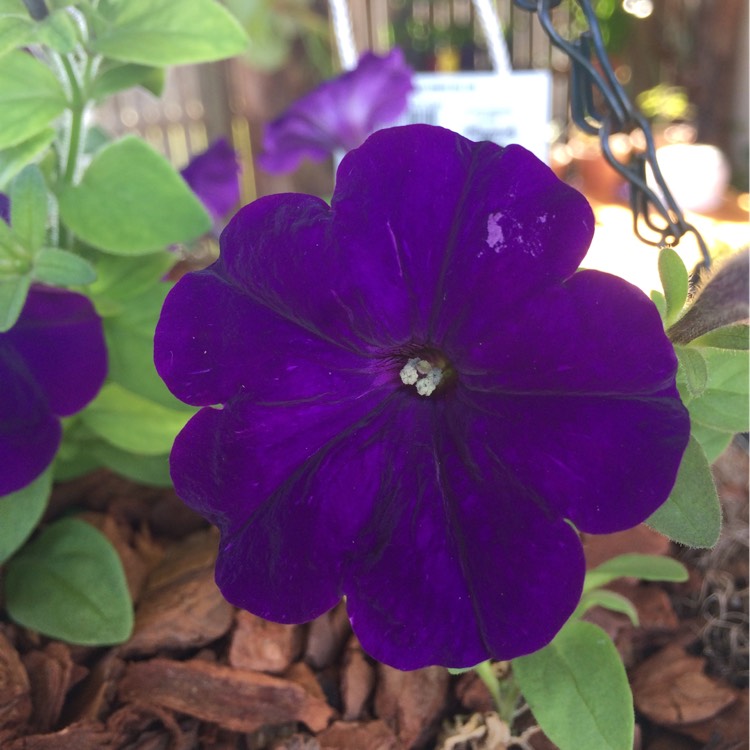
(585, 79)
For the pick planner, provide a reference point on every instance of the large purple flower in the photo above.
(340, 113)
(213, 176)
(52, 363)
(416, 393)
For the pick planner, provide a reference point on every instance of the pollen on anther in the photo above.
(409, 373)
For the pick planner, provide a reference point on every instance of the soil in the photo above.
(197, 673)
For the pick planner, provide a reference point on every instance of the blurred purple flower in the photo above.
(52, 363)
(340, 113)
(417, 393)
(214, 177)
(5, 208)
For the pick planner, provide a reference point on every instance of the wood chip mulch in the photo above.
(197, 673)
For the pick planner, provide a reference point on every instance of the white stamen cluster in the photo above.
(421, 374)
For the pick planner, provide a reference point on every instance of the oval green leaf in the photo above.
(132, 202)
(674, 280)
(167, 32)
(28, 207)
(133, 423)
(69, 584)
(692, 514)
(61, 268)
(635, 565)
(578, 690)
(15, 158)
(30, 98)
(20, 512)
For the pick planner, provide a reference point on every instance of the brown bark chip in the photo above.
(181, 607)
(15, 690)
(671, 689)
(599, 548)
(262, 645)
(326, 637)
(85, 736)
(51, 674)
(368, 735)
(411, 703)
(238, 700)
(357, 681)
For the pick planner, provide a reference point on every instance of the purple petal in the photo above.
(214, 177)
(340, 113)
(458, 557)
(29, 433)
(5, 208)
(434, 226)
(52, 363)
(60, 338)
(281, 477)
(573, 338)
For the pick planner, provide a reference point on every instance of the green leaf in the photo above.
(30, 98)
(713, 442)
(120, 280)
(729, 337)
(13, 293)
(151, 470)
(692, 514)
(116, 76)
(14, 159)
(133, 423)
(20, 513)
(69, 584)
(578, 690)
(644, 567)
(693, 369)
(132, 202)
(28, 207)
(661, 304)
(58, 31)
(167, 32)
(61, 268)
(609, 600)
(724, 403)
(16, 29)
(130, 343)
(674, 280)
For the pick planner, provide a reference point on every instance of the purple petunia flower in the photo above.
(340, 113)
(52, 363)
(214, 177)
(416, 393)
(4, 208)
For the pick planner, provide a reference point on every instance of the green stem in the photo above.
(505, 692)
(77, 108)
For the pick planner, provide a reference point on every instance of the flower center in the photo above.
(422, 374)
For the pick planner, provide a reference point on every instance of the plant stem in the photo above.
(77, 109)
(504, 691)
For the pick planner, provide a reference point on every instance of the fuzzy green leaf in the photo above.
(693, 370)
(674, 280)
(578, 690)
(635, 565)
(132, 202)
(28, 207)
(13, 292)
(61, 268)
(30, 98)
(15, 158)
(20, 512)
(608, 600)
(167, 32)
(133, 423)
(692, 514)
(729, 337)
(69, 584)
